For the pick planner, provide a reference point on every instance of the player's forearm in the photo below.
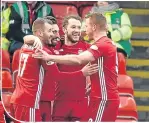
(29, 39)
(66, 59)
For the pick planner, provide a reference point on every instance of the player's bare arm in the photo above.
(83, 58)
(33, 40)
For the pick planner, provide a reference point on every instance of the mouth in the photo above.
(76, 35)
(55, 39)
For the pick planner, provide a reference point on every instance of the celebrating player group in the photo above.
(67, 79)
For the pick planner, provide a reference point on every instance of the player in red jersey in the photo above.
(45, 98)
(32, 72)
(104, 94)
(48, 92)
(74, 97)
(70, 100)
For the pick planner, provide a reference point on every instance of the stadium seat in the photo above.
(85, 3)
(125, 85)
(5, 60)
(121, 63)
(6, 80)
(125, 120)
(14, 77)
(15, 65)
(127, 108)
(6, 96)
(15, 60)
(1, 113)
(60, 11)
(85, 10)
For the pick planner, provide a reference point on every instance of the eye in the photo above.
(54, 31)
(73, 27)
(79, 27)
(50, 30)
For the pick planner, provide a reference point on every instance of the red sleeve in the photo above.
(60, 76)
(98, 49)
(56, 75)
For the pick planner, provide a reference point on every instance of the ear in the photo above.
(40, 33)
(64, 30)
(94, 27)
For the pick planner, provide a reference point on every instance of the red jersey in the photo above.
(104, 83)
(52, 74)
(48, 89)
(31, 75)
(30, 79)
(74, 89)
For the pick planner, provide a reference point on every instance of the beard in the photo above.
(70, 38)
(54, 42)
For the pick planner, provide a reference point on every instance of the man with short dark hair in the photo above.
(104, 96)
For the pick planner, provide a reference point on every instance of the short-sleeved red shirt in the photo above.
(104, 83)
(71, 89)
(30, 79)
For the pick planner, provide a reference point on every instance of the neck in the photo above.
(98, 35)
(41, 39)
(68, 42)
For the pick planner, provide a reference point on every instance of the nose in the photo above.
(57, 34)
(52, 34)
(77, 30)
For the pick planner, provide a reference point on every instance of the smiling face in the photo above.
(56, 36)
(47, 33)
(42, 28)
(73, 30)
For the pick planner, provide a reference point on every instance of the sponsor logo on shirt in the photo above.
(94, 47)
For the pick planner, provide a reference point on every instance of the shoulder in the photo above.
(47, 50)
(108, 43)
(84, 43)
(104, 44)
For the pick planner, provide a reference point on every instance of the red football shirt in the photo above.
(30, 79)
(104, 83)
(71, 89)
(31, 76)
(52, 74)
